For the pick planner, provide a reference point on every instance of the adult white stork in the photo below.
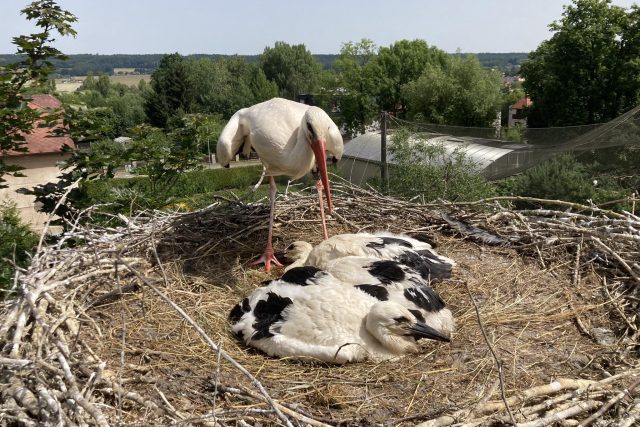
(410, 252)
(290, 138)
(308, 313)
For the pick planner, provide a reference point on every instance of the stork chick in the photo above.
(416, 254)
(308, 313)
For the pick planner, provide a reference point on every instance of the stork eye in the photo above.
(290, 247)
(309, 127)
(401, 319)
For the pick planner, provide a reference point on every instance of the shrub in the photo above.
(564, 178)
(16, 244)
(432, 172)
(131, 194)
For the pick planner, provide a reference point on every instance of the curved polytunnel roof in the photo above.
(493, 158)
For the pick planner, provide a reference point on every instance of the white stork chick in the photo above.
(389, 280)
(416, 254)
(308, 313)
(290, 139)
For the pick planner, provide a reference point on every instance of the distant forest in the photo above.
(81, 65)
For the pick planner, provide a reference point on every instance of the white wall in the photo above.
(39, 169)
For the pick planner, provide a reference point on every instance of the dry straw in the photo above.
(128, 325)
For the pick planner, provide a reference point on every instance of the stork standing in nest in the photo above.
(291, 139)
(308, 313)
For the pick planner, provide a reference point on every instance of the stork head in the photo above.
(295, 254)
(398, 329)
(322, 135)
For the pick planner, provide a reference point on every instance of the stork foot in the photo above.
(267, 258)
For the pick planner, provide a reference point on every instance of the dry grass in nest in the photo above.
(136, 361)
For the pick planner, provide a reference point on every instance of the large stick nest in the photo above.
(128, 325)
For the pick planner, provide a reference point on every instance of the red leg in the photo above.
(324, 222)
(268, 257)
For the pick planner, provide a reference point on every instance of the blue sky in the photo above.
(248, 26)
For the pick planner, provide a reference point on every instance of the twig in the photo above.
(576, 268)
(632, 416)
(53, 212)
(575, 409)
(289, 411)
(215, 390)
(616, 306)
(620, 260)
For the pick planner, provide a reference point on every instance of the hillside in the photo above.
(83, 64)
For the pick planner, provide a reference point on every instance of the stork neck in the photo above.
(300, 256)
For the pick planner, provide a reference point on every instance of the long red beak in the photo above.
(318, 147)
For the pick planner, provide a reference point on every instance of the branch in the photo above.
(615, 399)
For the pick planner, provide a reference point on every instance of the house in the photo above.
(516, 112)
(39, 163)
(511, 81)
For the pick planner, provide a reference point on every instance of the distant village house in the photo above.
(516, 112)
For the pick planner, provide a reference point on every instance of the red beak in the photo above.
(318, 147)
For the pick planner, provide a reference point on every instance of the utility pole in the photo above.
(384, 167)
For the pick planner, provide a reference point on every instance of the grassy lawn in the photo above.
(193, 190)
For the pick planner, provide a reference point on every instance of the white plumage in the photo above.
(290, 138)
(416, 254)
(390, 267)
(309, 313)
(389, 280)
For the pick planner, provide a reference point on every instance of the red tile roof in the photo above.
(522, 103)
(40, 140)
(38, 102)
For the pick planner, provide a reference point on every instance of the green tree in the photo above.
(190, 85)
(207, 129)
(159, 155)
(101, 84)
(163, 157)
(401, 63)
(173, 91)
(99, 161)
(224, 86)
(16, 119)
(589, 70)
(461, 93)
(292, 68)
(85, 125)
(126, 103)
(372, 79)
(357, 84)
(128, 108)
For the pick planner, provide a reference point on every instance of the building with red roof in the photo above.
(39, 162)
(43, 140)
(516, 112)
